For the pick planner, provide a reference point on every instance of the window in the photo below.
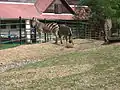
(58, 8)
(3, 24)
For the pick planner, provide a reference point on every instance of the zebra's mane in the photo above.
(39, 23)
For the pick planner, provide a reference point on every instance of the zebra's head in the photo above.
(37, 24)
(34, 22)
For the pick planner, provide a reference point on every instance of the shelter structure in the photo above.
(13, 13)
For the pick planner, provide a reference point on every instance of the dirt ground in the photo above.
(94, 72)
(39, 52)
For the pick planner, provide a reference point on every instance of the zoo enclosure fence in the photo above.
(13, 31)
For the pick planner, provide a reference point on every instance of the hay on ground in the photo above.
(44, 50)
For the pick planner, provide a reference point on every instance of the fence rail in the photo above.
(12, 31)
(80, 29)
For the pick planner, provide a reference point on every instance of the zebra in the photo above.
(46, 28)
(65, 31)
(107, 28)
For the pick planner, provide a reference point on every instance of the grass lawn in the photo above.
(94, 69)
(6, 46)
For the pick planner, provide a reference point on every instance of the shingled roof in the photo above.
(14, 10)
(11, 10)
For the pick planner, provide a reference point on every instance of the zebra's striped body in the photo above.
(46, 28)
(50, 27)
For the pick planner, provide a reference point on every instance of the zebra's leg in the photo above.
(40, 37)
(105, 37)
(60, 37)
(56, 36)
(71, 40)
(66, 39)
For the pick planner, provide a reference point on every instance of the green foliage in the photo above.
(103, 8)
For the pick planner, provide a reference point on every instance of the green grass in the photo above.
(104, 74)
(6, 46)
(107, 55)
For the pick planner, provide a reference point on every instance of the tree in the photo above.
(103, 8)
(104, 11)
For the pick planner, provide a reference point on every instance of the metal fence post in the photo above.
(20, 26)
(45, 34)
(35, 35)
(0, 32)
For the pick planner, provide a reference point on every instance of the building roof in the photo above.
(52, 16)
(65, 3)
(14, 10)
(42, 7)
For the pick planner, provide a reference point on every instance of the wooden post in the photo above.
(28, 31)
(45, 37)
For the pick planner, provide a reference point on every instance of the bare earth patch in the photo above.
(40, 51)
